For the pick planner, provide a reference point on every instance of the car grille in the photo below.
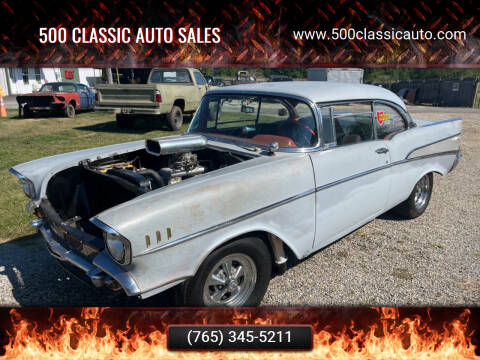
(72, 242)
(37, 100)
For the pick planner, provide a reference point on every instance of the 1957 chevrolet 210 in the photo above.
(265, 171)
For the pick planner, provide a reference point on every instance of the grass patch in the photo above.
(23, 140)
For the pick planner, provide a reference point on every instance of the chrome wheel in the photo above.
(231, 281)
(422, 192)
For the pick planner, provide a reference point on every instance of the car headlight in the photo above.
(117, 246)
(27, 185)
(28, 188)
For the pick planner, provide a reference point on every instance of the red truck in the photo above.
(57, 98)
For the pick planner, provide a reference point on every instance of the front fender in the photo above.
(293, 224)
(173, 229)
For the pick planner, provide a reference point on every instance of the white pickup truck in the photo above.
(168, 93)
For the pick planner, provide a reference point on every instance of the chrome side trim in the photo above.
(452, 152)
(352, 177)
(442, 122)
(226, 223)
(340, 181)
(400, 162)
(432, 143)
(282, 202)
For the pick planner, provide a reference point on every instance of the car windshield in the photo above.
(58, 88)
(258, 120)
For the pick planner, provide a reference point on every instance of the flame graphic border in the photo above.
(254, 33)
(438, 325)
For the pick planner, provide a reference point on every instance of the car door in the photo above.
(389, 123)
(82, 91)
(91, 97)
(201, 86)
(352, 175)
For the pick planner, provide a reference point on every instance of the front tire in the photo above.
(175, 118)
(70, 111)
(417, 202)
(236, 274)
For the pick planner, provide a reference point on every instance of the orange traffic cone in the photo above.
(3, 111)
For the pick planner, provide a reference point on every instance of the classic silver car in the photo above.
(265, 172)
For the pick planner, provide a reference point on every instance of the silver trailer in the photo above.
(344, 75)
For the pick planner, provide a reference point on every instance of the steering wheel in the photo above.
(298, 130)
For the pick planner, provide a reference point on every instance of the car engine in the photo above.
(95, 185)
(180, 166)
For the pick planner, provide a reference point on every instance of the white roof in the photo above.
(317, 91)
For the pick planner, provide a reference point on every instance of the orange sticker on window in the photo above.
(381, 117)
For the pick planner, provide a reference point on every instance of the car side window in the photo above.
(199, 78)
(347, 123)
(388, 121)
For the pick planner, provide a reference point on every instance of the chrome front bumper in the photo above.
(103, 271)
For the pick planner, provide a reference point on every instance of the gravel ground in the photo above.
(432, 260)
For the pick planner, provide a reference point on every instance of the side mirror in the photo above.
(282, 112)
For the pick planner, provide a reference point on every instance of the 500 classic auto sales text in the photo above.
(124, 35)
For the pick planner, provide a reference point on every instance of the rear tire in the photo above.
(237, 274)
(124, 122)
(70, 111)
(417, 202)
(175, 118)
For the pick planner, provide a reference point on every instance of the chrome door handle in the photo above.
(382, 150)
